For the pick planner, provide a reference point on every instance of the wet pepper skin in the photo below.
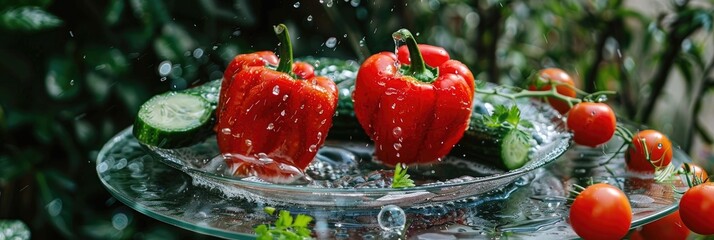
(271, 123)
(412, 121)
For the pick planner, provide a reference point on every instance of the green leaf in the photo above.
(302, 220)
(28, 19)
(14, 229)
(514, 116)
(284, 219)
(503, 115)
(269, 210)
(261, 229)
(401, 178)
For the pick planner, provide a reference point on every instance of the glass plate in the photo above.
(534, 206)
(343, 174)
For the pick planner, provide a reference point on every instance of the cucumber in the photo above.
(174, 120)
(209, 91)
(503, 146)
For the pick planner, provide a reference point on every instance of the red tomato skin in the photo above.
(601, 211)
(669, 227)
(556, 75)
(697, 172)
(592, 123)
(658, 146)
(696, 208)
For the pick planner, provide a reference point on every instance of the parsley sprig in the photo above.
(503, 115)
(286, 227)
(401, 178)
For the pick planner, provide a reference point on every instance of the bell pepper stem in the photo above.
(418, 68)
(286, 49)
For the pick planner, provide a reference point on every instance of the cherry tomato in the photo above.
(433, 56)
(698, 172)
(648, 148)
(668, 227)
(592, 123)
(601, 211)
(543, 80)
(696, 208)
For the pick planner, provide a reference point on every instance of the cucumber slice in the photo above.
(514, 149)
(505, 147)
(173, 120)
(209, 91)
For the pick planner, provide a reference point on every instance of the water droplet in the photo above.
(54, 208)
(354, 3)
(394, 105)
(71, 82)
(391, 91)
(283, 112)
(344, 36)
(296, 5)
(248, 142)
(309, 18)
(392, 218)
(397, 132)
(198, 53)
(276, 90)
(270, 126)
(165, 68)
(592, 113)
(312, 148)
(362, 42)
(120, 221)
(285, 97)
(226, 131)
(331, 42)
(329, 3)
(323, 120)
(659, 145)
(264, 158)
(397, 146)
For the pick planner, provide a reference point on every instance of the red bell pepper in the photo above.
(272, 121)
(413, 113)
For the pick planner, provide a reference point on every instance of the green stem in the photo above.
(286, 49)
(550, 93)
(418, 68)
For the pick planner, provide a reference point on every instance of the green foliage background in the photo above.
(75, 72)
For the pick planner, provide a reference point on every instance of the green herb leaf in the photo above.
(284, 219)
(302, 220)
(514, 116)
(269, 210)
(401, 178)
(503, 115)
(285, 226)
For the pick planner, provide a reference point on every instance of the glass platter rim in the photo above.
(225, 233)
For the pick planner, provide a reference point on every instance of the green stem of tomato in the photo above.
(538, 94)
(286, 49)
(418, 68)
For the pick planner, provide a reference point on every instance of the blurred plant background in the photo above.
(75, 72)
